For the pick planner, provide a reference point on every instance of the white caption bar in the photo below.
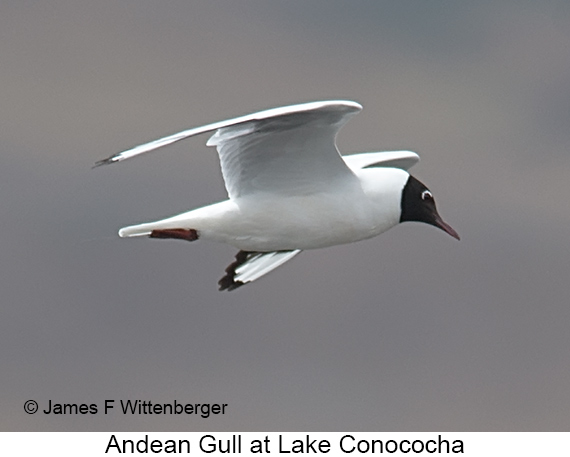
(298, 443)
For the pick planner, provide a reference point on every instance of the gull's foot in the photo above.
(178, 234)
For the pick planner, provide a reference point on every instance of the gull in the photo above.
(289, 189)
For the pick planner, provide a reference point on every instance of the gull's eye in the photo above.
(426, 195)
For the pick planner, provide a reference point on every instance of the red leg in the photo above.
(178, 234)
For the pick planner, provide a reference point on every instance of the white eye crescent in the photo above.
(426, 195)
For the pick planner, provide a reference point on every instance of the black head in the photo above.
(418, 205)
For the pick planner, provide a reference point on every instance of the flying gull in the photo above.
(290, 189)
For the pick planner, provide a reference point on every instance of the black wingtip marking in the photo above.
(228, 282)
(106, 161)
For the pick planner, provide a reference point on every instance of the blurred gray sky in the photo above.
(408, 331)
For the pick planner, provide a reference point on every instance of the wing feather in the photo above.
(250, 266)
(289, 149)
(389, 159)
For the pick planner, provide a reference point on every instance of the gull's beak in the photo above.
(438, 222)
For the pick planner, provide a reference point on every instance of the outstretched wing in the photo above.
(282, 150)
(291, 152)
(389, 159)
(250, 266)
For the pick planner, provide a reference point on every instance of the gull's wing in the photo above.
(250, 266)
(388, 159)
(282, 150)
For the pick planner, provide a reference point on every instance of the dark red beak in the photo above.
(445, 227)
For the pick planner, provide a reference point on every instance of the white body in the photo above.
(289, 188)
(268, 222)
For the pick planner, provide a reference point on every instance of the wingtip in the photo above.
(99, 163)
(107, 161)
(346, 103)
(353, 103)
(228, 282)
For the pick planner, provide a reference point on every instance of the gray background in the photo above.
(409, 331)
